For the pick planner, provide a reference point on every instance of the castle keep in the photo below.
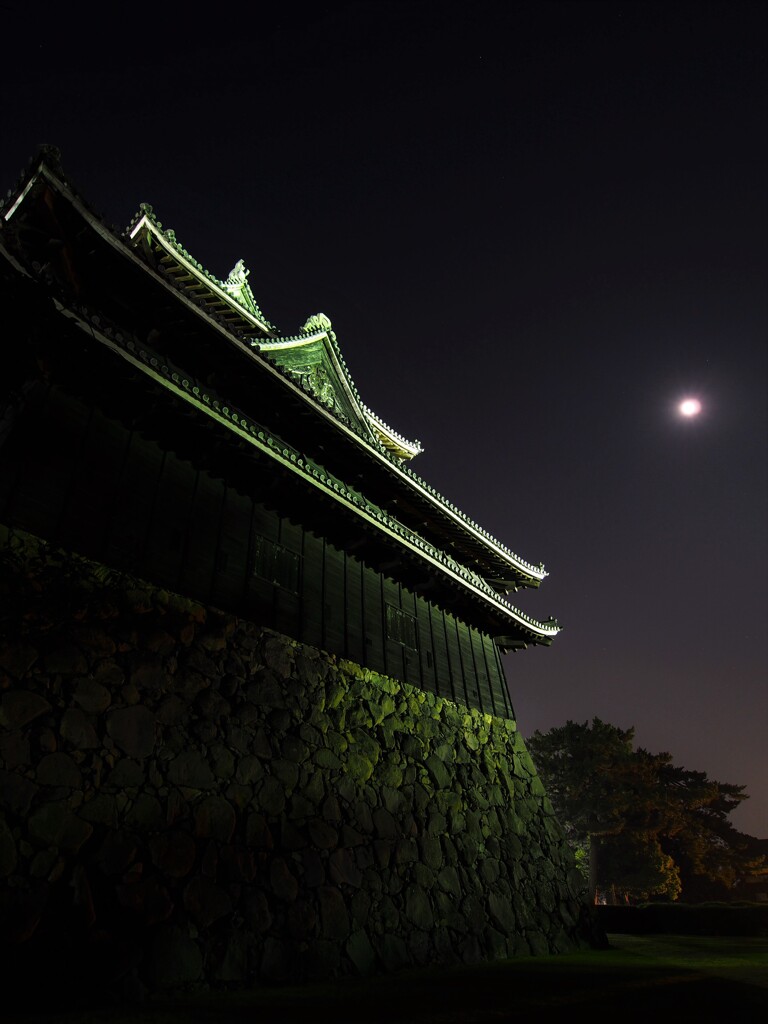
(245, 647)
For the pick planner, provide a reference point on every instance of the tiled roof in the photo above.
(232, 306)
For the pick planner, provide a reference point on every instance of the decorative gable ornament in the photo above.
(316, 323)
(319, 383)
(237, 286)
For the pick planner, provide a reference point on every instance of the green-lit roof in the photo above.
(311, 367)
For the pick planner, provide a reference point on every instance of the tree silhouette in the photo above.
(646, 826)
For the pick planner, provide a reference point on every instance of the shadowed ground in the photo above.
(638, 978)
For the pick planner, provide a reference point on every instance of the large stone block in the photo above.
(16, 792)
(19, 707)
(78, 730)
(53, 824)
(133, 730)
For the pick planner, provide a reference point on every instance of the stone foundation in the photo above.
(188, 799)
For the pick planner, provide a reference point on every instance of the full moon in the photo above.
(690, 407)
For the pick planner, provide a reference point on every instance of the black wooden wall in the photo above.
(80, 479)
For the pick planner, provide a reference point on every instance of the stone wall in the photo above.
(189, 799)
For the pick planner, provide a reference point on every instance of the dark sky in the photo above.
(535, 227)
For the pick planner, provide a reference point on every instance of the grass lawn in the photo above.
(666, 977)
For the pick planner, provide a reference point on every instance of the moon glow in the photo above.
(690, 407)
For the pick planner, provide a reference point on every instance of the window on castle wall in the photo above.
(401, 627)
(277, 565)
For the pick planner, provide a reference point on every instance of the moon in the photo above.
(690, 407)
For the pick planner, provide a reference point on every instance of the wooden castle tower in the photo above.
(155, 421)
(254, 723)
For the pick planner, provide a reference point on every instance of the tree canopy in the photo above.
(645, 826)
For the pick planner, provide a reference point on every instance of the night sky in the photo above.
(536, 227)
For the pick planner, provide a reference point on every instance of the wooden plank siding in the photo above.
(443, 677)
(413, 672)
(334, 600)
(481, 672)
(394, 654)
(35, 491)
(89, 483)
(503, 700)
(426, 646)
(373, 620)
(200, 552)
(355, 632)
(312, 570)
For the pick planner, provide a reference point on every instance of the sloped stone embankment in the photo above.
(186, 799)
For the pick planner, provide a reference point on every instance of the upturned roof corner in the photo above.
(221, 358)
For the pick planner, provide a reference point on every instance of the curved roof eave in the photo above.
(266, 443)
(407, 475)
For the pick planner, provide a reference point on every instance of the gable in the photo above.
(312, 360)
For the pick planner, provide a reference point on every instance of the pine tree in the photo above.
(651, 828)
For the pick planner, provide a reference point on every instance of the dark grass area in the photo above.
(713, 918)
(637, 978)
